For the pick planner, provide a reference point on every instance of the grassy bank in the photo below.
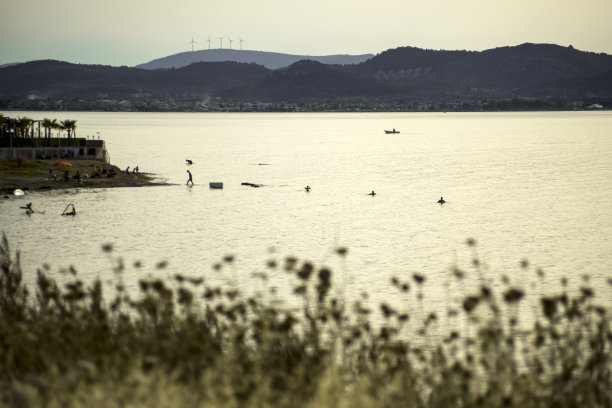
(33, 175)
(183, 342)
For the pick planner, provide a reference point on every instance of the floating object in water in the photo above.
(188, 161)
(251, 184)
(18, 192)
(391, 132)
(71, 212)
(372, 193)
(215, 184)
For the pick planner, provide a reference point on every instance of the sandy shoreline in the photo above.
(33, 176)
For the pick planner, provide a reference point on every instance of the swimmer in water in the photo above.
(372, 193)
(307, 188)
(441, 200)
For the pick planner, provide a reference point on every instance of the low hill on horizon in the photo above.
(270, 60)
(404, 74)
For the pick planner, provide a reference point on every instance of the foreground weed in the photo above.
(182, 342)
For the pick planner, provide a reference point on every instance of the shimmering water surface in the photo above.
(534, 186)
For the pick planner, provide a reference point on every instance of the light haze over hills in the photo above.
(270, 60)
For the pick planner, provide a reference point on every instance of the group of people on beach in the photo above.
(101, 172)
(135, 170)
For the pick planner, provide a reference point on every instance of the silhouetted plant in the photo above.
(181, 341)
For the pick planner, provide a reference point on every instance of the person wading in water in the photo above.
(190, 180)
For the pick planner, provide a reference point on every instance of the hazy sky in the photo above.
(130, 32)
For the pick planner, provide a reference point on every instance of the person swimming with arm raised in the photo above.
(28, 208)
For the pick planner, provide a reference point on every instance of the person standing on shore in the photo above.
(190, 180)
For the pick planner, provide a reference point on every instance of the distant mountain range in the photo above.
(403, 74)
(270, 60)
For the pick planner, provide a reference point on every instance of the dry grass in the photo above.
(185, 343)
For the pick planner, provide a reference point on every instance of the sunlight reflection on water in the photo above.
(525, 185)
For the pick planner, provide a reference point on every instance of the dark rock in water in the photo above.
(252, 184)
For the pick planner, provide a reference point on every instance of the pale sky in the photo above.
(130, 32)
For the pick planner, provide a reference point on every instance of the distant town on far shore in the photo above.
(524, 77)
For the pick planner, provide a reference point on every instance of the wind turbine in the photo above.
(241, 41)
(192, 42)
(208, 42)
(221, 41)
(230, 40)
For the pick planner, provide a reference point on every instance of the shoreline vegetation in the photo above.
(181, 341)
(33, 175)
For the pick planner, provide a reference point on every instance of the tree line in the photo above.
(24, 126)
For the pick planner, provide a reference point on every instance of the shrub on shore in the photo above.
(184, 342)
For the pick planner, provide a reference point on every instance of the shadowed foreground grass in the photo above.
(184, 343)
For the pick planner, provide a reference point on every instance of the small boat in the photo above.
(215, 184)
(391, 132)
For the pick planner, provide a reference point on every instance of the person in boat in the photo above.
(190, 180)
(441, 200)
(307, 188)
(372, 193)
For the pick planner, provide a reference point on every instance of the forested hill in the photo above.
(406, 74)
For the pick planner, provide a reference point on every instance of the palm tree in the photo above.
(23, 125)
(2, 122)
(48, 124)
(70, 126)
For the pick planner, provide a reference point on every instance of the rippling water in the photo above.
(533, 186)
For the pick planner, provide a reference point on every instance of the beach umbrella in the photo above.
(62, 164)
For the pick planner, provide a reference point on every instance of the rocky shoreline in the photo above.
(33, 175)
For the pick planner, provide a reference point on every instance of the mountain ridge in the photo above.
(400, 75)
(270, 60)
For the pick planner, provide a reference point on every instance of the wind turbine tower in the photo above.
(221, 42)
(208, 43)
(241, 41)
(192, 42)
(230, 40)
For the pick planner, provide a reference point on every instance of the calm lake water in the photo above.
(533, 186)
